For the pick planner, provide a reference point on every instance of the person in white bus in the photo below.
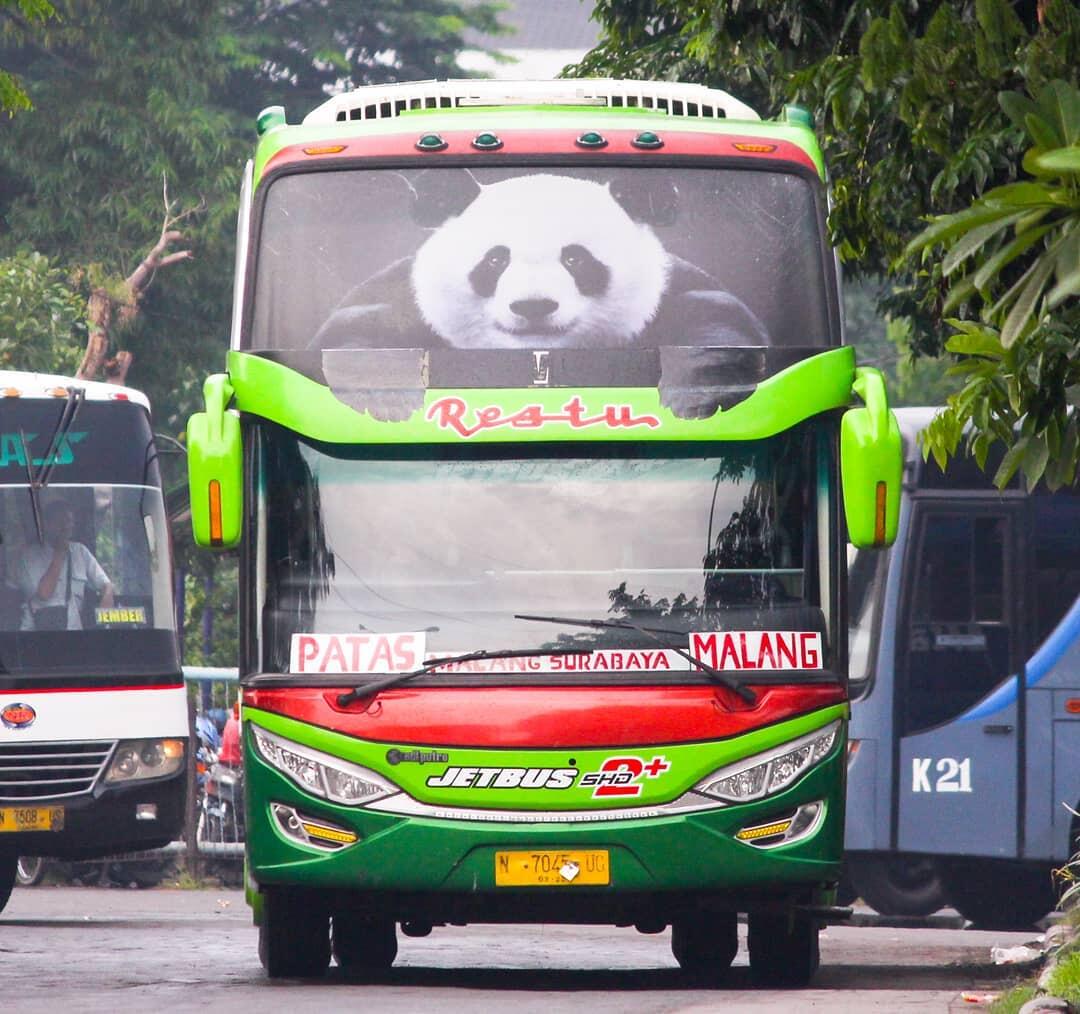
(52, 575)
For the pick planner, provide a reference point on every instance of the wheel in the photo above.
(294, 935)
(783, 948)
(29, 871)
(898, 885)
(8, 862)
(1000, 895)
(706, 945)
(363, 946)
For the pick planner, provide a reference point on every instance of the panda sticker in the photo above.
(540, 261)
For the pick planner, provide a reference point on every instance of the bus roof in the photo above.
(24, 384)
(387, 120)
(389, 100)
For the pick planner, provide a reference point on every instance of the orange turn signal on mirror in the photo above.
(881, 501)
(215, 512)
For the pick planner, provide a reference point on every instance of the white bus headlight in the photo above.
(135, 759)
(319, 773)
(767, 773)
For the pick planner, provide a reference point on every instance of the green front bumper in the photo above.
(694, 854)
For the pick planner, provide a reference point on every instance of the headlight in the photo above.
(145, 758)
(767, 773)
(319, 773)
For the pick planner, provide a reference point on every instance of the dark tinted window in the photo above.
(106, 443)
(1055, 524)
(957, 641)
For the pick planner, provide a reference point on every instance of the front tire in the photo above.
(706, 945)
(783, 949)
(294, 935)
(898, 885)
(8, 862)
(29, 871)
(363, 947)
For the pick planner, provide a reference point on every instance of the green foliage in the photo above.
(210, 634)
(883, 342)
(129, 95)
(1064, 980)
(905, 96)
(42, 315)
(1012, 260)
(1012, 1000)
(29, 12)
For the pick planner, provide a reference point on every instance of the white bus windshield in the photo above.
(455, 542)
(85, 586)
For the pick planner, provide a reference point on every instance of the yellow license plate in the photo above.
(567, 868)
(32, 818)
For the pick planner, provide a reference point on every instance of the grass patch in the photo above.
(1065, 978)
(1011, 1002)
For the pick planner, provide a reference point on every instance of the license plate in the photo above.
(32, 818)
(568, 868)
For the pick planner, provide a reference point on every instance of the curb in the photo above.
(1056, 937)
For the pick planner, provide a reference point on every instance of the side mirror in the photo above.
(215, 453)
(871, 464)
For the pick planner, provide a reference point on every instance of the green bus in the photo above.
(541, 447)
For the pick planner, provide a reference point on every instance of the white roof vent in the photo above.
(379, 102)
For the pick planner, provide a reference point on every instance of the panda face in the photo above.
(540, 261)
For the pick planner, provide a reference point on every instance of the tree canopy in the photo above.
(133, 99)
(905, 97)
(129, 115)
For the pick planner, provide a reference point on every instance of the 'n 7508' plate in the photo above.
(31, 818)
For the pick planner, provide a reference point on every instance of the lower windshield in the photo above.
(454, 543)
(84, 583)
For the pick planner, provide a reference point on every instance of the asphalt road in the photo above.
(98, 949)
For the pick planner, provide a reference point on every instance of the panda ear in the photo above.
(440, 194)
(652, 201)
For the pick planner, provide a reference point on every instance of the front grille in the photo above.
(47, 770)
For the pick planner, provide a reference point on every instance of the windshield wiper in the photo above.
(396, 679)
(75, 397)
(31, 485)
(717, 675)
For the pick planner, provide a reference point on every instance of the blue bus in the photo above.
(964, 760)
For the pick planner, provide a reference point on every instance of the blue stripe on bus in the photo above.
(1044, 660)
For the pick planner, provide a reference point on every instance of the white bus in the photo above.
(93, 717)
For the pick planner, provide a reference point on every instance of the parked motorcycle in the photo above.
(221, 808)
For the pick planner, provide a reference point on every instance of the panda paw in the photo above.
(689, 402)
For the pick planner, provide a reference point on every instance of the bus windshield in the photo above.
(85, 589)
(541, 257)
(454, 542)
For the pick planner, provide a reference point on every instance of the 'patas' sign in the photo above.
(356, 653)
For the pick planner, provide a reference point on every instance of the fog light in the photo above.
(146, 811)
(785, 830)
(312, 831)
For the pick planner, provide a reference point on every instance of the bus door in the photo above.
(958, 639)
